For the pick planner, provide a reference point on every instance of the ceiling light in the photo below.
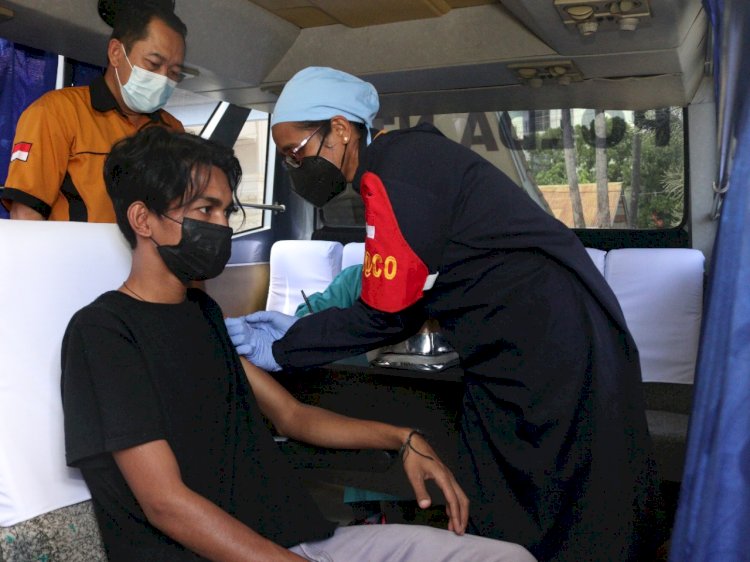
(628, 24)
(580, 13)
(526, 73)
(557, 70)
(617, 8)
(588, 27)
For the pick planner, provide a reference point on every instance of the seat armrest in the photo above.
(668, 397)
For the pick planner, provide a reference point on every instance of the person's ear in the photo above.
(342, 128)
(138, 215)
(115, 52)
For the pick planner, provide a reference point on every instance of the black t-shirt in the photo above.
(135, 372)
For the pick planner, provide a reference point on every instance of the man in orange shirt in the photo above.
(63, 138)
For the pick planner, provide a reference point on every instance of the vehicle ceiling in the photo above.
(424, 56)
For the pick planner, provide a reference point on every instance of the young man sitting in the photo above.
(165, 421)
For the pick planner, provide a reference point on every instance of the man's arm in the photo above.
(324, 428)
(43, 137)
(19, 211)
(153, 476)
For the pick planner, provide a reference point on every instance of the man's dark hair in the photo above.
(132, 19)
(164, 169)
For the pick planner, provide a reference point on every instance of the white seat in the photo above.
(300, 265)
(598, 257)
(48, 270)
(660, 291)
(354, 254)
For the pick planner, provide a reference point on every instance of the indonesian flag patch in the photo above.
(21, 151)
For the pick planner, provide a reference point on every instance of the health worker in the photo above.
(554, 446)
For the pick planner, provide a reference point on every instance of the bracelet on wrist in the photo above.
(407, 446)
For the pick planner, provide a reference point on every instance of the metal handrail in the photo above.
(276, 207)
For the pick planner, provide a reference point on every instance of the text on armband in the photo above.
(377, 266)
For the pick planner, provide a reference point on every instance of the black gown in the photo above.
(555, 451)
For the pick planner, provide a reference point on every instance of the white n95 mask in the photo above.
(145, 91)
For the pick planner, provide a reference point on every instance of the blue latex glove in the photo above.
(252, 343)
(238, 331)
(275, 324)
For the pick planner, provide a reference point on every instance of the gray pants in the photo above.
(408, 543)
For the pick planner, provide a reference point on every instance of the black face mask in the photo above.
(202, 252)
(317, 180)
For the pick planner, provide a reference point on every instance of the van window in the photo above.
(251, 149)
(600, 169)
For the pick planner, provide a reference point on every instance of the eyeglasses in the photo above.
(293, 158)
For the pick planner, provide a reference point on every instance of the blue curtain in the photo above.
(25, 74)
(713, 516)
(83, 74)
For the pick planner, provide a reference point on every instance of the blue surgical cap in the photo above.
(317, 93)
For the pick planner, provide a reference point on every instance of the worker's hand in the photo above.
(421, 463)
(252, 343)
(275, 324)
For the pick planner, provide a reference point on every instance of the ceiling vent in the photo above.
(538, 74)
(590, 16)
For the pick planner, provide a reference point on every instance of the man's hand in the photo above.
(253, 343)
(421, 463)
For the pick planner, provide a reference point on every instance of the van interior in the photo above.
(433, 58)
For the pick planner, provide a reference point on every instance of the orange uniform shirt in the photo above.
(61, 142)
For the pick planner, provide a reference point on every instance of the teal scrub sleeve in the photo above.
(343, 292)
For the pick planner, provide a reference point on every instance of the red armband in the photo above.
(393, 276)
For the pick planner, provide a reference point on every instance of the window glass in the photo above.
(251, 149)
(589, 168)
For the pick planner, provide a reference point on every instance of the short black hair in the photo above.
(132, 19)
(163, 169)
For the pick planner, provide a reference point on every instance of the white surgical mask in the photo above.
(145, 91)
